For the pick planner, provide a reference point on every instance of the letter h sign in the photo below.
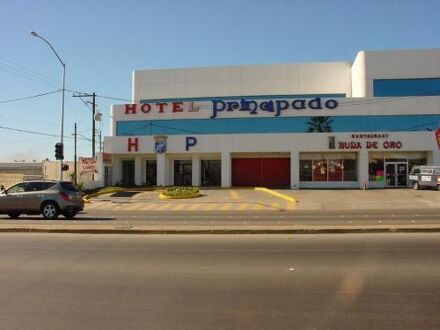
(133, 143)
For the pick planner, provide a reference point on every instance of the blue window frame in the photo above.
(406, 87)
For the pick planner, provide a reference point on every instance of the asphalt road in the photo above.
(359, 218)
(350, 281)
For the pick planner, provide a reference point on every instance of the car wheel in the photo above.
(438, 187)
(416, 185)
(50, 210)
(14, 215)
(69, 214)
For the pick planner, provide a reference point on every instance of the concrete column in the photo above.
(226, 169)
(294, 169)
(196, 172)
(434, 157)
(161, 170)
(138, 171)
(116, 170)
(363, 169)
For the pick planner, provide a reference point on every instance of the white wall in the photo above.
(358, 76)
(396, 64)
(259, 143)
(274, 79)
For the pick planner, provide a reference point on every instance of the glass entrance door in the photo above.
(183, 172)
(150, 172)
(128, 172)
(396, 174)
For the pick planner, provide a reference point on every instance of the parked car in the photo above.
(425, 176)
(49, 198)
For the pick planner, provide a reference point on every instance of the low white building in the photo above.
(322, 125)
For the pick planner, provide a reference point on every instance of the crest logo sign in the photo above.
(160, 143)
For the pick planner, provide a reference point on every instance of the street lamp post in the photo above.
(33, 33)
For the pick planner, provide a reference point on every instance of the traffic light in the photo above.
(59, 152)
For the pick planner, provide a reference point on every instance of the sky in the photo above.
(102, 42)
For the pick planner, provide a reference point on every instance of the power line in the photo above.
(26, 131)
(30, 97)
(23, 69)
(33, 132)
(113, 98)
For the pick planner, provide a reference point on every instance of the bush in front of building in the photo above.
(180, 192)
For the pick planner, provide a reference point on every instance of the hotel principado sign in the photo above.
(250, 106)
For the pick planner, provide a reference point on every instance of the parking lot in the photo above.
(284, 200)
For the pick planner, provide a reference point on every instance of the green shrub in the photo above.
(181, 192)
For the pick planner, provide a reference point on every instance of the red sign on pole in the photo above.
(437, 137)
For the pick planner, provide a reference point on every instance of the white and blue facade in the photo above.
(314, 125)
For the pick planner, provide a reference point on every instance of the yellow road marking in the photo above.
(193, 207)
(242, 206)
(290, 206)
(147, 207)
(179, 207)
(226, 207)
(234, 194)
(210, 207)
(275, 205)
(162, 207)
(277, 194)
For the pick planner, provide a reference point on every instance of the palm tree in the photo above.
(319, 124)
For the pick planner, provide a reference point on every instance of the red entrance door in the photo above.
(265, 172)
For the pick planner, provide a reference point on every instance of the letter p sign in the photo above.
(191, 141)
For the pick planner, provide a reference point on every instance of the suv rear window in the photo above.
(68, 186)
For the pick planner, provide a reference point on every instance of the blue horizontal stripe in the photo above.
(247, 97)
(277, 125)
(406, 87)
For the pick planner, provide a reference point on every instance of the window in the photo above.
(305, 170)
(376, 163)
(18, 188)
(211, 172)
(328, 167)
(406, 87)
(68, 186)
(34, 186)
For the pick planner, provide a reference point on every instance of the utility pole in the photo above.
(74, 159)
(93, 123)
(100, 141)
(93, 96)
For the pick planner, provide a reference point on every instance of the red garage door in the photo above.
(265, 172)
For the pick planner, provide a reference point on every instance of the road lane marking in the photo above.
(179, 206)
(277, 194)
(234, 194)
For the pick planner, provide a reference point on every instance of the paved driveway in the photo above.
(253, 200)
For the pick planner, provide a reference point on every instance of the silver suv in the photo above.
(49, 198)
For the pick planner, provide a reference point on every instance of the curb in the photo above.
(221, 231)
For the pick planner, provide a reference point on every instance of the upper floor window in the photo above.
(406, 87)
